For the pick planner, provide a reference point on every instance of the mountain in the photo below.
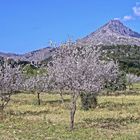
(119, 43)
(37, 55)
(9, 55)
(112, 33)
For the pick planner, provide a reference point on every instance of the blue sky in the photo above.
(27, 25)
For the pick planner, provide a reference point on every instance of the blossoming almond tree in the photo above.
(11, 81)
(38, 84)
(79, 68)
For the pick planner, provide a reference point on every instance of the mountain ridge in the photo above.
(112, 33)
(36, 55)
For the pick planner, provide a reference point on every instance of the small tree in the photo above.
(79, 69)
(118, 85)
(38, 84)
(131, 79)
(11, 79)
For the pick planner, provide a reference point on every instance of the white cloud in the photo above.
(117, 19)
(126, 18)
(133, 16)
(136, 9)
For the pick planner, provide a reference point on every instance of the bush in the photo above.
(88, 101)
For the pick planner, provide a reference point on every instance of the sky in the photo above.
(27, 25)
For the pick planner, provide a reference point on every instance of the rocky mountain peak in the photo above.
(116, 26)
(115, 22)
(113, 33)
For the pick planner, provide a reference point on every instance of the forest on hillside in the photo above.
(127, 56)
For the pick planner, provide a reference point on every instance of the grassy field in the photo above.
(136, 86)
(115, 118)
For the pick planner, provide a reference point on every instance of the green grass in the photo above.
(136, 86)
(116, 117)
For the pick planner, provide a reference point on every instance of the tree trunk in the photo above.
(73, 110)
(129, 86)
(38, 97)
(132, 86)
(1, 113)
(1, 109)
(4, 101)
(62, 99)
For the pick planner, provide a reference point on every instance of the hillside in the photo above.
(37, 55)
(127, 56)
(10, 55)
